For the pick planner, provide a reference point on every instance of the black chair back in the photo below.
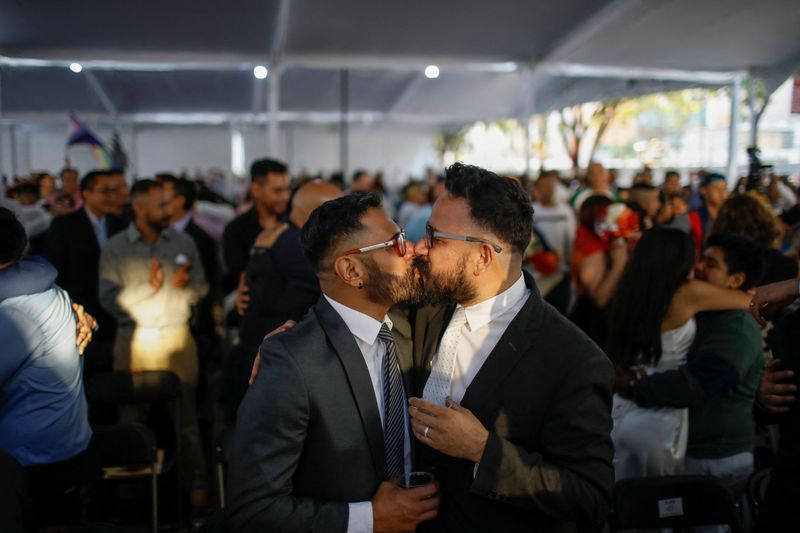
(674, 502)
(133, 387)
(122, 445)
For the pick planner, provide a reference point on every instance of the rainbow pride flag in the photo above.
(81, 134)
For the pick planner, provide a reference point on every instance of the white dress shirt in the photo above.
(181, 224)
(365, 331)
(99, 227)
(486, 323)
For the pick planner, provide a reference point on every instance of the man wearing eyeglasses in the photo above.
(73, 245)
(514, 402)
(325, 427)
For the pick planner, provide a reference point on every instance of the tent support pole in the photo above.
(733, 134)
(2, 145)
(344, 94)
(13, 131)
(751, 102)
(274, 99)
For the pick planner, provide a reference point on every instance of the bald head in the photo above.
(309, 197)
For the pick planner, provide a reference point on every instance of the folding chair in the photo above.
(757, 485)
(120, 387)
(222, 456)
(127, 445)
(673, 502)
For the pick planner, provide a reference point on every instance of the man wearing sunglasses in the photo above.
(513, 402)
(325, 425)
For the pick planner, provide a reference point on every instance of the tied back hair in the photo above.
(661, 263)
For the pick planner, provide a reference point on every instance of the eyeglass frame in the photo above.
(432, 233)
(398, 240)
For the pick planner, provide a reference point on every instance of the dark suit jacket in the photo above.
(71, 246)
(544, 395)
(202, 317)
(308, 436)
(282, 286)
(237, 239)
(209, 253)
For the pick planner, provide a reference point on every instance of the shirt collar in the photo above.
(360, 325)
(482, 313)
(181, 224)
(92, 218)
(134, 235)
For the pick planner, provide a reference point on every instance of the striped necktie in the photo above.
(393, 400)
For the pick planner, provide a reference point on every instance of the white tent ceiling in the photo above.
(192, 60)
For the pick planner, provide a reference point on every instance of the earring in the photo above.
(360, 284)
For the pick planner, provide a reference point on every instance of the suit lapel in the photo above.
(87, 229)
(514, 344)
(352, 360)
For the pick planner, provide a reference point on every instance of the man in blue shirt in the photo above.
(43, 414)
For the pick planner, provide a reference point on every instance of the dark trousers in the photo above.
(54, 490)
(14, 501)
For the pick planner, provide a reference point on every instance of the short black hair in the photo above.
(332, 222)
(261, 167)
(89, 181)
(642, 187)
(711, 178)
(143, 187)
(26, 187)
(741, 254)
(496, 204)
(186, 189)
(13, 239)
(68, 169)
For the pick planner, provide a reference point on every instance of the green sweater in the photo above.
(718, 384)
(723, 424)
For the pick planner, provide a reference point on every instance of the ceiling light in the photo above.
(431, 72)
(75, 67)
(260, 72)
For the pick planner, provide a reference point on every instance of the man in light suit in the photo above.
(325, 424)
(514, 407)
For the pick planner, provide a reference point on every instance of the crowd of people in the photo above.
(525, 342)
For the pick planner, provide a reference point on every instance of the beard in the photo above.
(389, 289)
(450, 287)
(158, 224)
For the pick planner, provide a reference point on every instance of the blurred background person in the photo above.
(713, 192)
(597, 266)
(748, 216)
(73, 245)
(150, 277)
(651, 328)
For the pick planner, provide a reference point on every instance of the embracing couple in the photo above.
(485, 386)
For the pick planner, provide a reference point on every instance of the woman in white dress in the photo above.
(651, 328)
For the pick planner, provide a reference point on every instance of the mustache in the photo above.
(421, 264)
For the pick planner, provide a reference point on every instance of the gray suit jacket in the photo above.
(544, 394)
(308, 436)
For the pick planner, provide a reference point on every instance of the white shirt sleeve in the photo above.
(359, 519)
